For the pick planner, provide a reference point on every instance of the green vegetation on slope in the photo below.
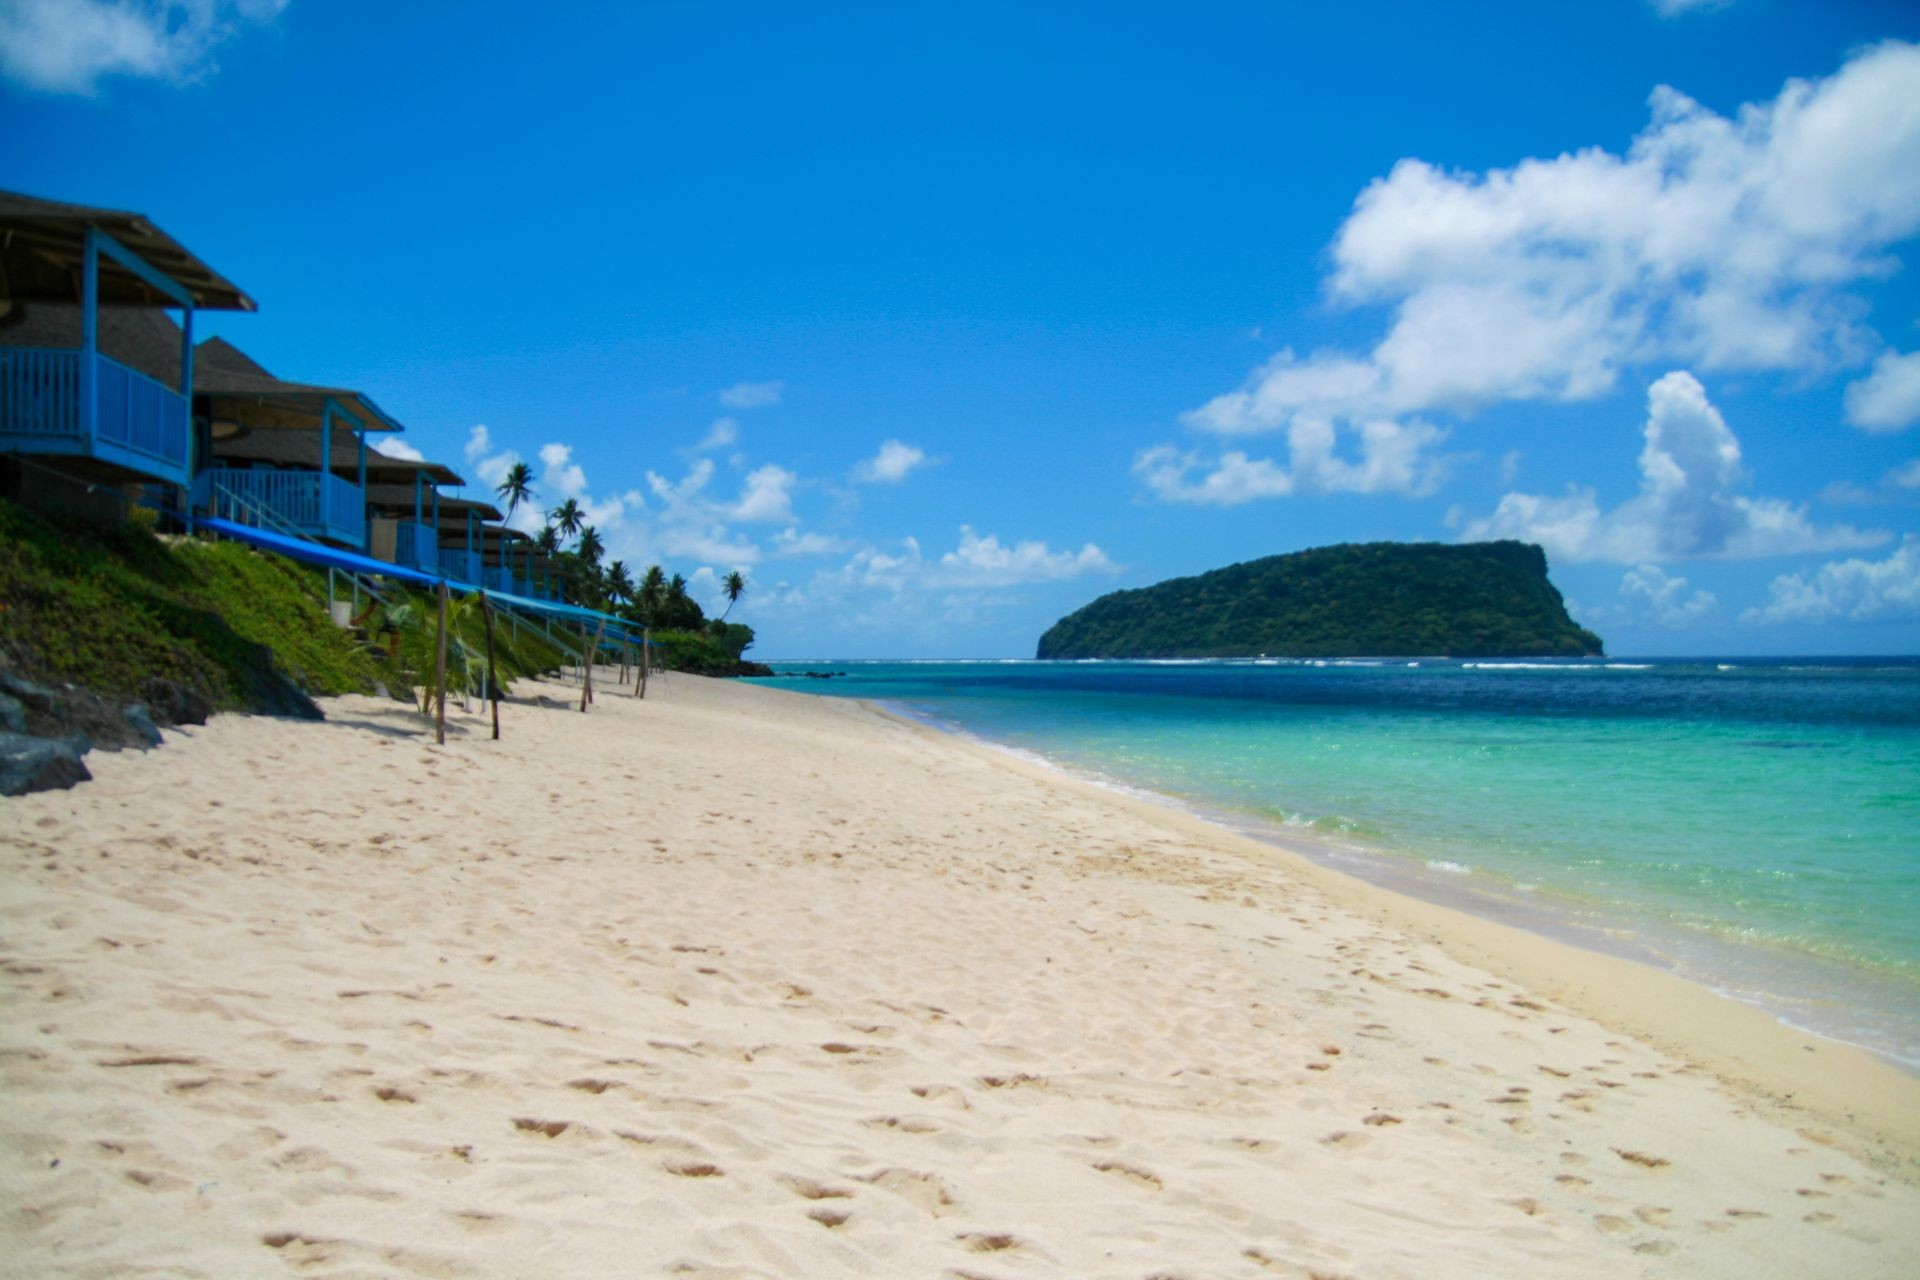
(1377, 598)
(107, 608)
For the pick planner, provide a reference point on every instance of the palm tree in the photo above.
(567, 518)
(619, 582)
(590, 548)
(653, 591)
(517, 487)
(735, 586)
(547, 542)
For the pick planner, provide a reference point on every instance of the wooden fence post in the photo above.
(440, 671)
(493, 686)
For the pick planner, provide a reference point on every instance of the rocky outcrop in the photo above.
(39, 764)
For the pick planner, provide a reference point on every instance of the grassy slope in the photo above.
(107, 608)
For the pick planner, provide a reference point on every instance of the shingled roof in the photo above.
(141, 338)
(240, 383)
(42, 243)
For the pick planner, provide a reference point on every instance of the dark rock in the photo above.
(69, 711)
(39, 764)
(273, 694)
(141, 722)
(13, 716)
(171, 702)
(34, 697)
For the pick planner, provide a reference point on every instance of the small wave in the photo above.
(1629, 666)
(1451, 868)
(1528, 666)
(1725, 666)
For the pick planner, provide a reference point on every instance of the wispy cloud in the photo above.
(751, 395)
(1689, 504)
(723, 433)
(1670, 600)
(1674, 8)
(891, 464)
(69, 46)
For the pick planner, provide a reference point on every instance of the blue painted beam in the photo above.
(139, 266)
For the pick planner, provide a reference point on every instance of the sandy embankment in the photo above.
(736, 982)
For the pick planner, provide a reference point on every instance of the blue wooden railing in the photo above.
(417, 547)
(460, 565)
(316, 503)
(138, 423)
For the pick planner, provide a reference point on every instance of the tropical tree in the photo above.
(517, 487)
(567, 518)
(735, 586)
(547, 542)
(619, 582)
(590, 548)
(652, 593)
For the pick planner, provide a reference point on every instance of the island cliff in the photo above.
(1380, 599)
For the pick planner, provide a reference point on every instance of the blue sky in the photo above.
(938, 322)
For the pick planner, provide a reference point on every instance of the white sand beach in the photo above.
(735, 982)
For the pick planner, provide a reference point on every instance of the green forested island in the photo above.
(1381, 599)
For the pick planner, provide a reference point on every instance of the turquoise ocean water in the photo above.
(1751, 824)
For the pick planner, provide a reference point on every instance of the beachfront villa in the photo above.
(107, 399)
(269, 448)
(90, 388)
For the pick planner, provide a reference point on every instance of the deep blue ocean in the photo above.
(1753, 824)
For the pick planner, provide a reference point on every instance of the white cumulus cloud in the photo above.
(1852, 590)
(891, 464)
(1724, 242)
(1689, 504)
(767, 496)
(1888, 398)
(394, 447)
(69, 46)
(1394, 457)
(987, 562)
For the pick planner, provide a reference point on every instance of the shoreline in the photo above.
(1546, 915)
(1852, 1087)
(743, 982)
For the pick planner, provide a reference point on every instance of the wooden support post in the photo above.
(646, 660)
(440, 670)
(493, 688)
(586, 661)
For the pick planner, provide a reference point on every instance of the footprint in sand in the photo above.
(921, 1190)
(1132, 1173)
(808, 1189)
(989, 1242)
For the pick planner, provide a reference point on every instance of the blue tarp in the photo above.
(353, 562)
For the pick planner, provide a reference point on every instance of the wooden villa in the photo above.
(89, 387)
(271, 449)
